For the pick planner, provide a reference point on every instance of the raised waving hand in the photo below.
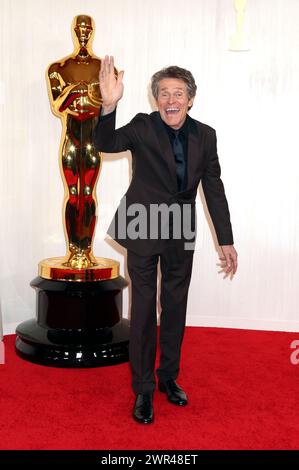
(111, 85)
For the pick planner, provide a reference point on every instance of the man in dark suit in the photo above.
(171, 154)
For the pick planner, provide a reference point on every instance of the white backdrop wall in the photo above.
(251, 98)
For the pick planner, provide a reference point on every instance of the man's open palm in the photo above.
(111, 86)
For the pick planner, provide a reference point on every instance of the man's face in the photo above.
(173, 101)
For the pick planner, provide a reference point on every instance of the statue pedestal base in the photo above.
(78, 324)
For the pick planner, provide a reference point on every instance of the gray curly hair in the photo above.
(174, 72)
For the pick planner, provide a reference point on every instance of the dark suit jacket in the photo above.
(154, 175)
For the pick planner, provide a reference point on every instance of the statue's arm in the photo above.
(58, 90)
(94, 97)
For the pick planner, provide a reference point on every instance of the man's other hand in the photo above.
(229, 260)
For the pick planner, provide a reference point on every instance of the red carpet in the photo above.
(243, 393)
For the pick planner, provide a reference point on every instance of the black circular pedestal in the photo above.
(78, 324)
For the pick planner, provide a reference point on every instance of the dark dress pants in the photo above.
(176, 268)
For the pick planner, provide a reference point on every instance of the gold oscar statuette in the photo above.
(239, 40)
(79, 319)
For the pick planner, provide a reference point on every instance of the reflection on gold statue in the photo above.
(73, 86)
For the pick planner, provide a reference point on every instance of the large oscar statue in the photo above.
(79, 296)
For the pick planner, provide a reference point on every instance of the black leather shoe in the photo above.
(143, 408)
(175, 393)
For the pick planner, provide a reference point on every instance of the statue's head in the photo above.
(83, 30)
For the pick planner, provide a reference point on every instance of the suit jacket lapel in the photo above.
(195, 150)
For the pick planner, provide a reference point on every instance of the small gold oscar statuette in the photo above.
(239, 40)
(79, 296)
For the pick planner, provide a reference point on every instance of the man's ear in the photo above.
(190, 103)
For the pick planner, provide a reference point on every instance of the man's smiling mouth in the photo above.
(172, 110)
